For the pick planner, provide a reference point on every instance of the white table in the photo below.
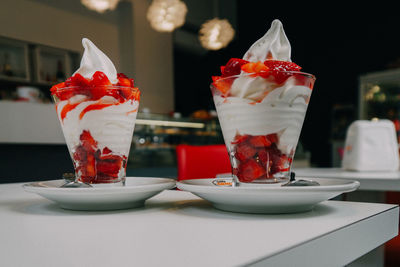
(376, 181)
(373, 186)
(178, 229)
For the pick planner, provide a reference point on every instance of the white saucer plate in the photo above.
(135, 192)
(266, 198)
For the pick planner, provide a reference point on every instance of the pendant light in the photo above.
(100, 5)
(166, 15)
(216, 33)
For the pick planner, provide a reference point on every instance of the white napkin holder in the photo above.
(371, 146)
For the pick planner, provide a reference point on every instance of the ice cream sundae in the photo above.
(261, 101)
(97, 109)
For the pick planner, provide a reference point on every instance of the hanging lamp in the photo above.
(166, 15)
(100, 6)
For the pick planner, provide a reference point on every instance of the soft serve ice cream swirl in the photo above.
(97, 109)
(264, 103)
(274, 45)
(93, 60)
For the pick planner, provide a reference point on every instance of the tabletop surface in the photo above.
(372, 180)
(176, 228)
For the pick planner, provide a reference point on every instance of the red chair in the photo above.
(202, 161)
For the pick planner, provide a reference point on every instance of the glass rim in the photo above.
(110, 87)
(308, 75)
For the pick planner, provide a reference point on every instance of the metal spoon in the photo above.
(76, 185)
(71, 183)
(301, 182)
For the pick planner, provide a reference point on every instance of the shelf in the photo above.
(14, 63)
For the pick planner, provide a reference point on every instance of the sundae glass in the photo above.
(97, 110)
(261, 101)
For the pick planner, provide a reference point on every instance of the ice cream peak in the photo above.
(93, 60)
(273, 45)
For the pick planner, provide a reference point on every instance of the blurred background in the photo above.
(354, 53)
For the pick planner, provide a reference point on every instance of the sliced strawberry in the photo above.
(79, 80)
(100, 79)
(263, 156)
(110, 168)
(65, 94)
(136, 94)
(280, 164)
(111, 157)
(88, 169)
(258, 68)
(124, 82)
(61, 94)
(56, 87)
(250, 170)
(223, 85)
(88, 141)
(127, 92)
(273, 138)
(233, 67)
(240, 139)
(106, 150)
(244, 151)
(281, 69)
(121, 75)
(80, 154)
(260, 141)
(279, 65)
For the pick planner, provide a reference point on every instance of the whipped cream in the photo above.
(111, 126)
(93, 60)
(282, 111)
(273, 45)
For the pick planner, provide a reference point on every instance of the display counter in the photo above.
(32, 133)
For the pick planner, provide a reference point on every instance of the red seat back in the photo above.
(202, 161)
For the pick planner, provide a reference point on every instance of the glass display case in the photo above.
(379, 96)
(156, 137)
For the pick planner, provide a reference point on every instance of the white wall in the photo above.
(124, 35)
(40, 23)
(153, 62)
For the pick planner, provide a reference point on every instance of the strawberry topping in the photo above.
(96, 87)
(275, 70)
(280, 70)
(278, 65)
(233, 67)
(258, 157)
(258, 68)
(96, 166)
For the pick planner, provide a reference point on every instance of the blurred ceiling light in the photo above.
(216, 34)
(166, 15)
(100, 5)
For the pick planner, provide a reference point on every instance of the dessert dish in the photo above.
(261, 101)
(97, 109)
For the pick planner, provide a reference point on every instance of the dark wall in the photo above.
(336, 43)
(25, 162)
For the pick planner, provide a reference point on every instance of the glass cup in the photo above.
(261, 120)
(98, 124)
